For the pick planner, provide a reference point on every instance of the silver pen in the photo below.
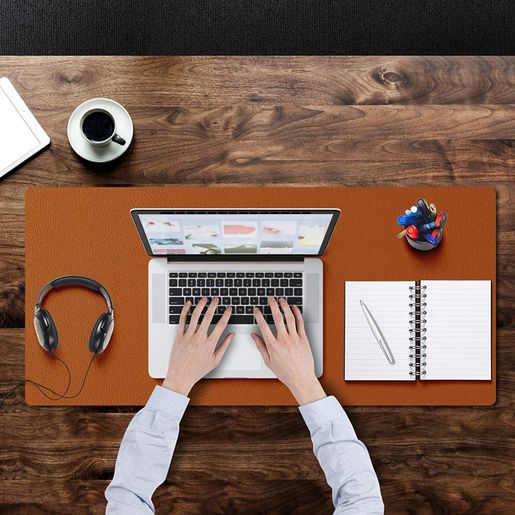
(378, 335)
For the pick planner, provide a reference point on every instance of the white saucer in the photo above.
(107, 152)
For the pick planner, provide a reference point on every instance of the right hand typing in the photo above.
(288, 354)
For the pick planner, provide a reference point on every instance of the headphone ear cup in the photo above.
(101, 333)
(46, 331)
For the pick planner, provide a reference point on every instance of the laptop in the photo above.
(241, 256)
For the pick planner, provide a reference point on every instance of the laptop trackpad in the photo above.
(242, 354)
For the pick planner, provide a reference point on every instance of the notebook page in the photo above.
(458, 330)
(388, 303)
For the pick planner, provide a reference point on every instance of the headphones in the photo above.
(46, 330)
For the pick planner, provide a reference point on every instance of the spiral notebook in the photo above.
(434, 330)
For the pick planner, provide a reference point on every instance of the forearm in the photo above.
(145, 453)
(307, 390)
(343, 458)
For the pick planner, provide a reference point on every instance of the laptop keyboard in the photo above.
(241, 290)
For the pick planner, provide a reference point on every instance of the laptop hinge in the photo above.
(232, 259)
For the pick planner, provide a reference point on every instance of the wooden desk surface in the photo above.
(303, 121)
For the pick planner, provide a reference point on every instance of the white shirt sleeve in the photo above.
(148, 444)
(145, 454)
(343, 458)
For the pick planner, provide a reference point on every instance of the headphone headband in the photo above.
(74, 280)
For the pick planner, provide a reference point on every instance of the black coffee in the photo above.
(98, 126)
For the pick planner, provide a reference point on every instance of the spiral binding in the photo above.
(417, 347)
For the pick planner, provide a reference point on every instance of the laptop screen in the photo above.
(235, 232)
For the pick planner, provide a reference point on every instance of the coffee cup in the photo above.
(98, 127)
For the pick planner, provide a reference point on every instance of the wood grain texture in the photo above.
(269, 121)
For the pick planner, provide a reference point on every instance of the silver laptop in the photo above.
(241, 256)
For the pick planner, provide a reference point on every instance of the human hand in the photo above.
(195, 352)
(288, 354)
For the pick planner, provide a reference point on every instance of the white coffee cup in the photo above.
(98, 127)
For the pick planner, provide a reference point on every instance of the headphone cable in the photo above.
(42, 387)
(63, 396)
(21, 383)
(39, 386)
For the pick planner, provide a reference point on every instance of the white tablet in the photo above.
(21, 136)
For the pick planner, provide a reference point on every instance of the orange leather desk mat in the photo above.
(89, 231)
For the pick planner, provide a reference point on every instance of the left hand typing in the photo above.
(195, 352)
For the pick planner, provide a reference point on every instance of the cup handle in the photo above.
(118, 139)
